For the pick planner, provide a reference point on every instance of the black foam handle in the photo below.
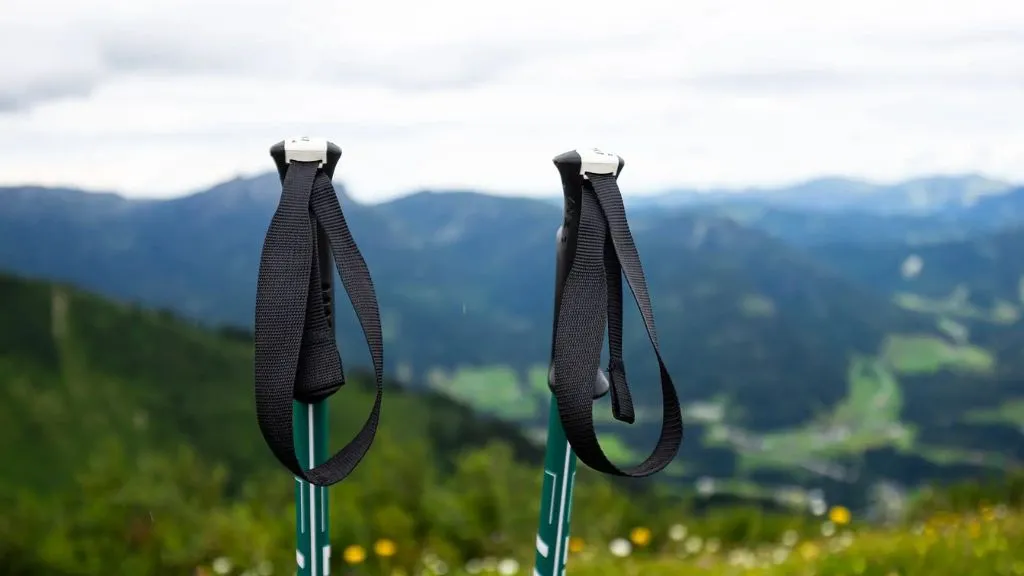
(328, 153)
(572, 167)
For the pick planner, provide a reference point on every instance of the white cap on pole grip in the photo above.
(305, 149)
(595, 161)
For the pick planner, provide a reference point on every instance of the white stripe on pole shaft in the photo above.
(554, 486)
(312, 495)
(302, 506)
(561, 506)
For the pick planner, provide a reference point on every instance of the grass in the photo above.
(975, 544)
(925, 354)
(980, 543)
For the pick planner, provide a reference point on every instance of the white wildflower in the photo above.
(828, 529)
(712, 545)
(222, 565)
(706, 486)
(742, 558)
(694, 544)
(677, 533)
(620, 547)
(508, 567)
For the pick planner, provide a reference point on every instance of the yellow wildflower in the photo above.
(575, 545)
(640, 536)
(384, 548)
(839, 515)
(354, 554)
(809, 550)
(974, 528)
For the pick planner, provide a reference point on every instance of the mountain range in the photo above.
(924, 195)
(817, 339)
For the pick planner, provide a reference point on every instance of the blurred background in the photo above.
(826, 198)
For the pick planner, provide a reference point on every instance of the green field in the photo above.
(956, 305)
(868, 418)
(1010, 413)
(495, 390)
(923, 353)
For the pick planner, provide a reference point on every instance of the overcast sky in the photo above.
(159, 98)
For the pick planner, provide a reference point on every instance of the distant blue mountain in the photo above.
(918, 196)
(807, 227)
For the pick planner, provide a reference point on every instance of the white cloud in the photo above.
(155, 97)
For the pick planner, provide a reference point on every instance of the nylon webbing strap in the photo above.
(592, 296)
(296, 353)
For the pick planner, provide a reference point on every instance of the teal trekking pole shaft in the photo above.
(312, 536)
(313, 550)
(559, 460)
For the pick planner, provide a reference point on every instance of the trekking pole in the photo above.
(577, 340)
(559, 459)
(312, 536)
(297, 364)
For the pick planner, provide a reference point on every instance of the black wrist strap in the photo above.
(296, 352)
(592, 296)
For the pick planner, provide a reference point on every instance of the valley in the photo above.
(811, 356)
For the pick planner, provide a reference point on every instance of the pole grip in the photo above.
(327, 153)
(573, 167)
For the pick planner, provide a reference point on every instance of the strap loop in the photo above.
(592, 295)
(296, 355)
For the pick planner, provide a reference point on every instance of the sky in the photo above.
(158, 98)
